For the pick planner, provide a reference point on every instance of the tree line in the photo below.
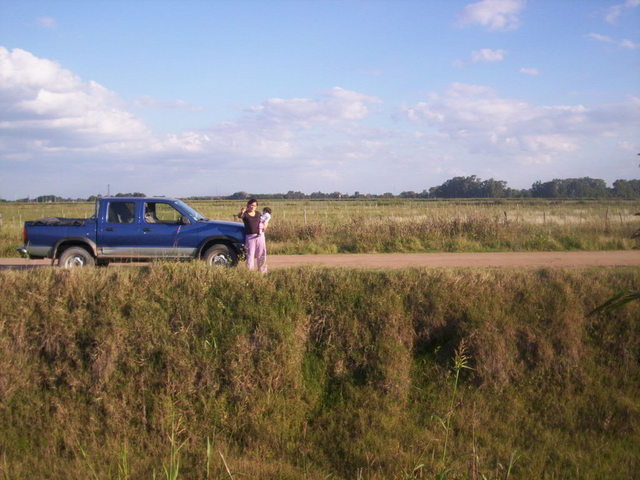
(457, 187)
(474, 187)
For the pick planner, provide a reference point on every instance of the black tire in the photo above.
(220, 255)
(74, 257)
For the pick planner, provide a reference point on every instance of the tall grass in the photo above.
(182, 371)
(304, 226)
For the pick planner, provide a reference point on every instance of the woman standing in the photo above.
(255, 244)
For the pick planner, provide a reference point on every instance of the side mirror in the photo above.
(184, 220)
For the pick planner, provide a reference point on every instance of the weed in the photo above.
(172, 468)
(617, 301)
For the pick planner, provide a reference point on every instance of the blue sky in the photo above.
(190, 97)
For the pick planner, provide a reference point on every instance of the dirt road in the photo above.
(447, 260)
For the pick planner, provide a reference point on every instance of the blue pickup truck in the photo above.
(134, 229)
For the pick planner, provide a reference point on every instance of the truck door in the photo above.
(162, 231)
(117, 232)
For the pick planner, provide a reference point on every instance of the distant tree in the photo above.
(492, 188)
(458, 187)
(517, 193)
(238, 196)
(49, 199)
(409, 194)
(545, 190)
(294, 195)
(585, 187)
(626, 189)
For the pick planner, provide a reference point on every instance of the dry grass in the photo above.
(305, 226)
(316, 373)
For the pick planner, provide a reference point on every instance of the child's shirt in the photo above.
(264, 220)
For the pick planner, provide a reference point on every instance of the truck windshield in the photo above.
(192, 213)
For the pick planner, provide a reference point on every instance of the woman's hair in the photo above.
(267, 210)
(252, 200)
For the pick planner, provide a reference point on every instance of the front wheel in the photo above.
(220, 255)
(76, 257)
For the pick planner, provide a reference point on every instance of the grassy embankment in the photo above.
(394, 225)
(181, 371)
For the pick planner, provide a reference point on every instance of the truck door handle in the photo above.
(146, 229)
(109, 229)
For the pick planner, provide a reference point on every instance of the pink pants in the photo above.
(256, 247)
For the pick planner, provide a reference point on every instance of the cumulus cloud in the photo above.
(613, 12)
(530, 71)
(494, 15)
(42, 103)
(479, 119)
(487, 55)
(337, 105)
(484, 55)
(629, 44)
(52, 119)
(48, 112)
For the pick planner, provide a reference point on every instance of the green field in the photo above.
(403, 225)
(183, 371)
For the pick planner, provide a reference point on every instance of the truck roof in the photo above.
(154, 199)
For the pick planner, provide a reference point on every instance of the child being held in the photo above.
(264, 219)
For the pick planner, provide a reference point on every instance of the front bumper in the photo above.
(240, 249)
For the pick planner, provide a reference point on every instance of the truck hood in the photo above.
(225, 223)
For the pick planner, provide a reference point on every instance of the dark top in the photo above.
(251, 224)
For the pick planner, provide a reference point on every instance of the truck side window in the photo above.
(156, 212)
(121, 212)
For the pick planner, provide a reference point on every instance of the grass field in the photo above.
(183, 371)
(396, 225)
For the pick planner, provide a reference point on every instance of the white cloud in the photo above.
(52, 121)
(147, 101)
(494, 15)
(40, 101)
(487, 55)
(337, 105)
(629, 44)
(48, 112)
(478, 119)
(47, 22)
(530, 71)
(615, 11)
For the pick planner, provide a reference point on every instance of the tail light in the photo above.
(24, 235)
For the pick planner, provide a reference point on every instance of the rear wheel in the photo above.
(76, 257)
(220, 255)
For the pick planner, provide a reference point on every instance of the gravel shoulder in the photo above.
(437, 260)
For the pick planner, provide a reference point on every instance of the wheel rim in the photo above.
(75, 261)
(221, 260)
